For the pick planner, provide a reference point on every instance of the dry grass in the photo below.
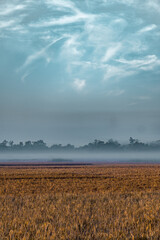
(85, 202)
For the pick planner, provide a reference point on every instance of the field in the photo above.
(80, 202)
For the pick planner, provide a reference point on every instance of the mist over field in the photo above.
(98, 151)
(86, 157)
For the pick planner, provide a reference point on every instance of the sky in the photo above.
(75, 71)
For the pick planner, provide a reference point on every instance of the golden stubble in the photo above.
(80, 202)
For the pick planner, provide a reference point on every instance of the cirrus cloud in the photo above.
(79, 84)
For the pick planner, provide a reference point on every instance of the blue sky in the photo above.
(73, 71)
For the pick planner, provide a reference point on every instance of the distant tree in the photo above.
(40, 144)
(96, 145)
(95, 142)
(100, 143)
(56, 147)
(21, 144)
(133, 141)
(155, 144)
(112, 144)
(68, 147)
(11, 143)
(3, 145)
(135, 144)
(28, 145)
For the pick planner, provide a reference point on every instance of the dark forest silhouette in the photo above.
(96, 145)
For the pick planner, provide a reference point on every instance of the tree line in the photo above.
(96, 145)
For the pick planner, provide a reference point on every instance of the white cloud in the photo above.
(87, 64)
(155, 4)
(130, 67)
(148, 28)
(19, 29)
(116, 92)
(72, 52)
(147, 63)
(138, 99)
(10, 8)
(144, 98)
(5, 24)
(12, 24)
(117, 72)
(25, 75)
(98, 34)
(46, 37)
(111, 52)
(71, 47)
(39, 54)
(132, 103)
(62, 4)
(79, 84)
(126, 2)
(63, 20)
(94, 40)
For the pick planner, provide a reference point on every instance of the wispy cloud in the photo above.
(148, 28)
(116, 72)
(39, 54)
(10, 8)
(62, 4)
(125, 2)
(79, 84)
(18, 28)
(75, 16)
(144, 98)
(25, 75)
(6, 24)
(145, 63)
(71, 47)
(116, 93)
(139, 99)
(111, 52)
(62, 21)
(154, 4)
(99, 43)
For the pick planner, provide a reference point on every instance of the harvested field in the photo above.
(80, 202)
